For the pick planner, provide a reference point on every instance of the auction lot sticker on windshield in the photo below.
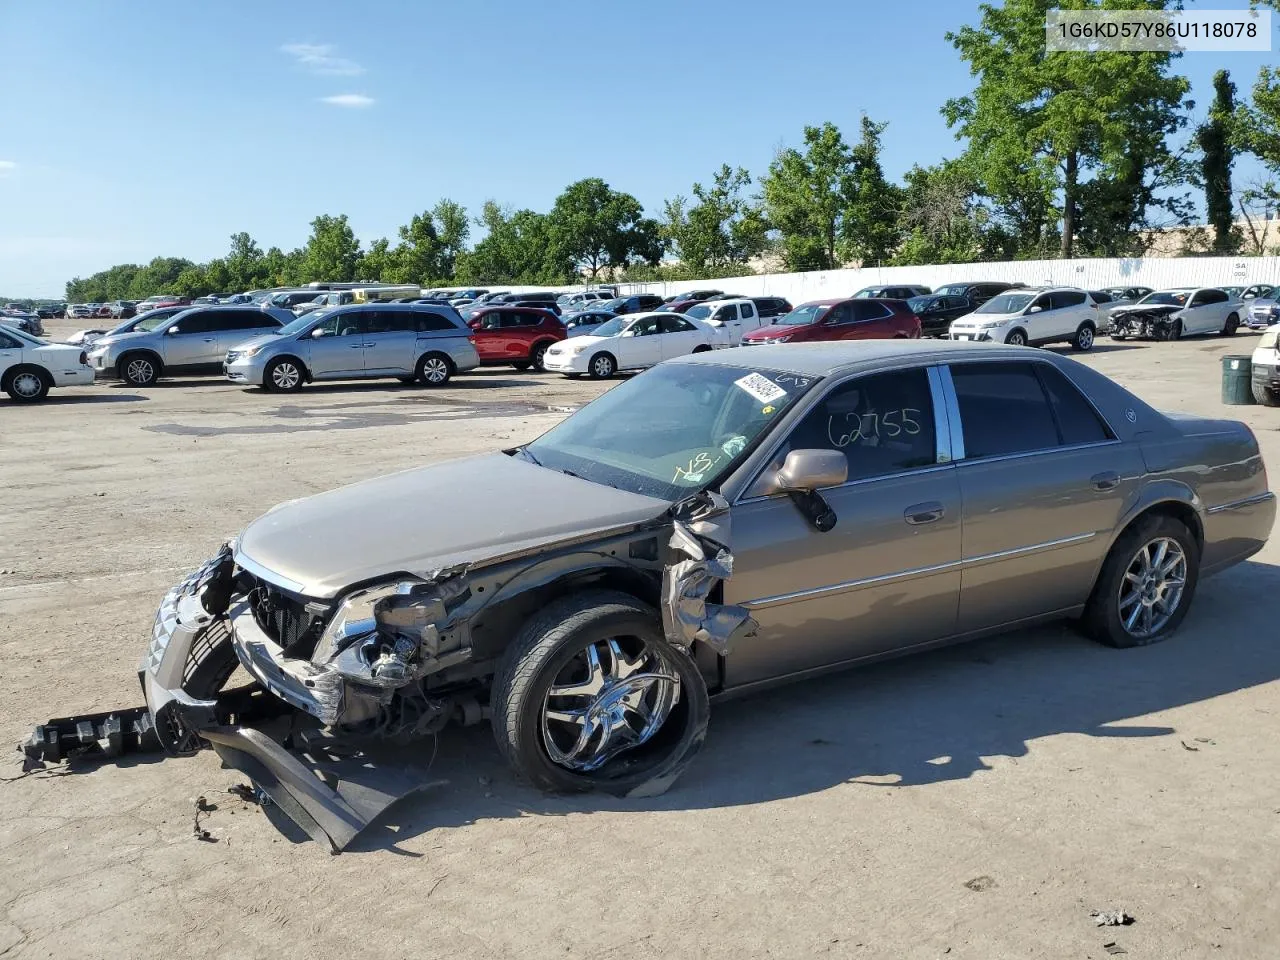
(762, 388)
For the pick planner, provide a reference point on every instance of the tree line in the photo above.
(1065, 155)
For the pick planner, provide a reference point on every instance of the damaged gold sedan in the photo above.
(722, 522)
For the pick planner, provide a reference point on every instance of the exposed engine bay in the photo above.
(1155, 322)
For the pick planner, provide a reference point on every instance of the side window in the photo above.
(726, 314)
(389, 321)
(748, 310)
(431, 323)
(1066, 298)
(532, 319)
(674, 324)
(883, 423)
(1003, 409)
(351, 323)
(1077, 421)
(646, 327)
(840, 313)
(869, 310)
(491, 320)
(1214, 296)
(1099, 296)
(197, 323)
(1044, 302)
(327, 327)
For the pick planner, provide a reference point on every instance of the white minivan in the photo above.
(1033, 316)
(735, 317)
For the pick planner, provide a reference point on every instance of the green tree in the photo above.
(806, 196)
(595, 227)
(517, 248)
(940, 219)
(1215, 139)
(870, 228)
(416, 259)
(721, 227)
(332, 251)
(453, 229)
(246, 264)
(1040, 124)
(375, 262)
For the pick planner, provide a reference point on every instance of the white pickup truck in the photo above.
(736, 317)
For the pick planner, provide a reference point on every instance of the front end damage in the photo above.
(336, 685)
(1157, 322)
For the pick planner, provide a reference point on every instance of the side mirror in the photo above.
(805, 471)
(1035, 309)
(174, 329)
(317, 332)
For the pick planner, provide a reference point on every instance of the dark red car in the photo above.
(515, 335)
(840, 320)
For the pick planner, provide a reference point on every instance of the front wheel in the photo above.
(1016, 339)
(434, 370)
(284, 375)
(139, 370)
(602, 366)
(1265, 395)
(1083, 340)
(1176, 332)
(590, 696)
(1146, 584)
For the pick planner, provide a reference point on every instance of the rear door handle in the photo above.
(924, 513)
(357, 346)
(210, 339)
(1106, 480)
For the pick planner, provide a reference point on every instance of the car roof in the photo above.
(826, 358)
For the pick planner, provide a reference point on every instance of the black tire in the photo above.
(701, 348)
(27, 384)
(1265, 395)
(407, 380)
(1176, 332)
(547, 646)
(521, 365)
(1231, 326)
(602, 366)
(1016, 338)
(538, 357)
(1102, 616)
(139, 369)
(284, 375)
(1084, 338)
(1119, 336)
(433, 370)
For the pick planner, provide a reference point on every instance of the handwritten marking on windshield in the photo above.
(891, 423)
(693, 471)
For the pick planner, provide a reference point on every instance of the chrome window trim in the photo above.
(847, 585)
(941, 416)
(1243, 502)
(1039, 453)
(952, 412)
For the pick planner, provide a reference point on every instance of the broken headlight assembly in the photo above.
(378, 634)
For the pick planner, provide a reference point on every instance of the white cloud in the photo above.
(319, 58)
(7, 167)
(358, 100)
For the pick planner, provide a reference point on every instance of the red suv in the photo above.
(515, 335)
(840, 320)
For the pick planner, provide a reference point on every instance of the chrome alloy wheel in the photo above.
(285, 375)
(27, 385)
(606, 701)
(1084, 339)
(435, 370)
(1152, 587)
(602, 366)
(140, 371)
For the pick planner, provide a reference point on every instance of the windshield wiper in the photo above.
(524, 452)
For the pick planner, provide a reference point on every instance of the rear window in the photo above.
(432, 323)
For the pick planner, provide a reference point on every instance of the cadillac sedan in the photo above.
(721, 523)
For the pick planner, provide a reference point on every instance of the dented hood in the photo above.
(419, 521)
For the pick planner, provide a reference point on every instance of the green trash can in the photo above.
(1236, 372)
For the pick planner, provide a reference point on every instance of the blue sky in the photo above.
(146, 127)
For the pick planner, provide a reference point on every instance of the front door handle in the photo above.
(924, 513)
(210, 340)
(1107, 480)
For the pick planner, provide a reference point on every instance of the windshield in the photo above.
(24, 336)
(919, 303)
(803, 314)
(1006, 303)
(611, 328)
(699, 312)
(301, 323)
(152, 321)
(671, 431)
(1174, 298)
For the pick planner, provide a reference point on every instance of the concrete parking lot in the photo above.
(977, 802)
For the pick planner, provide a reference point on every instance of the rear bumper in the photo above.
(1237, 530)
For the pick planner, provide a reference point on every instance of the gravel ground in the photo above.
(977, 802)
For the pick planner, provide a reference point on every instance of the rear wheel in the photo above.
(27, 384)
(520, 365)
(602, 366)
(590, 696)
(539, 357)
(1229, 328)
(1083, 340)
(1146, 584)
(1265, 395)
(434, 369)
(283, 375)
